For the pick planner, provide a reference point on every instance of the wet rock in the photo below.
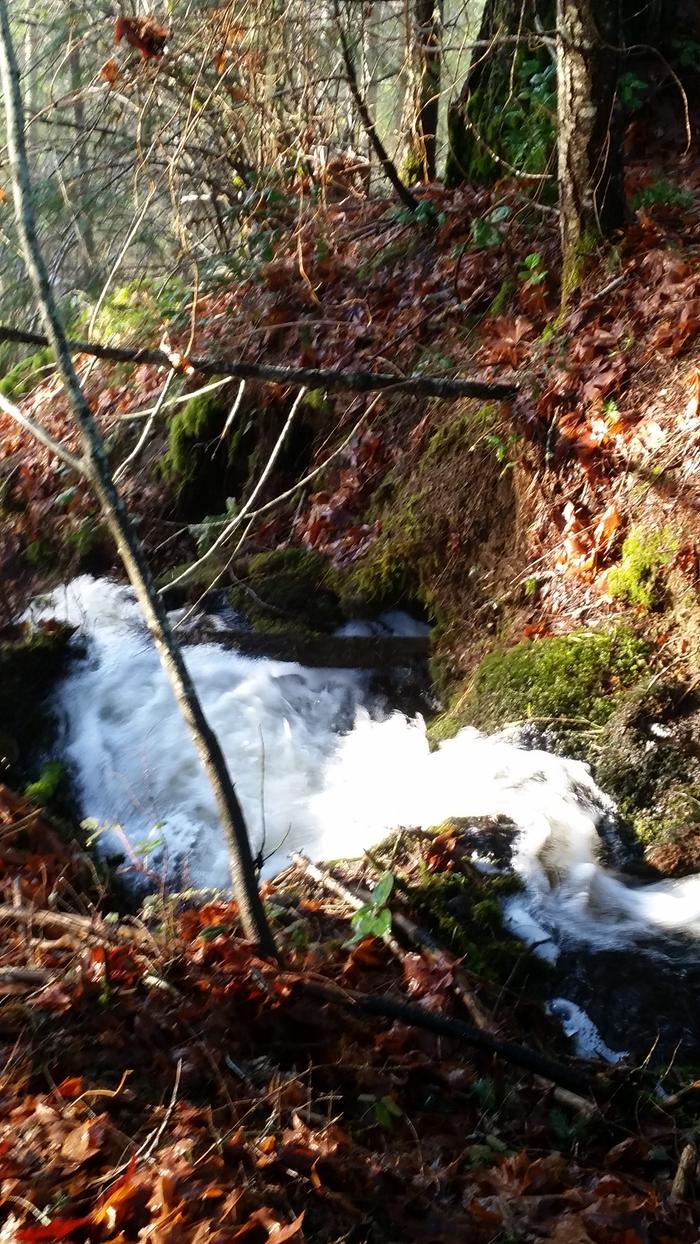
(680, 858)
(642, 1001)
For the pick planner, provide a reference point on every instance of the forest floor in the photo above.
(162, 1082)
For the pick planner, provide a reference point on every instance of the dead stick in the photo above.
(418, 1017)
(425, 942)
(416, 936)
(80, 926)
(24, 976)
(685, 1174)
(310, 377)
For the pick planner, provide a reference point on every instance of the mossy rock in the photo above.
(30, 664)
(136, 312)
(289, 588)
(207, 471)
(574, 681)
(199, 420)
(468, 919)
(648, 760)
(445, 493)
(397, 569)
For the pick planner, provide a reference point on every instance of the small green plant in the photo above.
(85, 537)
(40, 553)
(570, 1131)
(426, 215)
(532, 272)
(46, 786)
(638, 578)
(387, 1111)
(503, 447)
(686, 53)
(662, 193)
(483, 1091)
(207, 532)
(631, 90)
(485, 231)
(529, 121)
(374, 919)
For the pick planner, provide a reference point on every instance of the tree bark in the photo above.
(96, 471)
(590, 163)
(425, 59)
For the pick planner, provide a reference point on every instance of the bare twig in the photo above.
(310, 377)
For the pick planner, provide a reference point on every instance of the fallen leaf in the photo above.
(110, 71)
(85, 1141)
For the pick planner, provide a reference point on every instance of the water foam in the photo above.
(318, 766)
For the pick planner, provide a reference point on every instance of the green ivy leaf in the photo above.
(382, 890)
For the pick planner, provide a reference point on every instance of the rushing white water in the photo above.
(317, 767)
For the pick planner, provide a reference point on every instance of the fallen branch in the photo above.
(443, 1025)
(310, 377)
(685, 1174)
(24, 976)
(77, 926)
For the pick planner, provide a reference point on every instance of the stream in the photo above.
(321, 763)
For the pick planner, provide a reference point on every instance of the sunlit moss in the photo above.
(638, 578)
(575, 679)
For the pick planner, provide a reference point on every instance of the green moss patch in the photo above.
(446, 503)
(137, 311)
(289, 588)
(638, 579)
(575, 680)
(199, 419)
(21, 379)
(654, 776)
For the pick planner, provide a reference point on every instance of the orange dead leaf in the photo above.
(70, 1088)
(110, 71)
(606, 527)
(535, 630)
(142, 33)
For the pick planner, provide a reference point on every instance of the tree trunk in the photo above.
(590, 163)
(423, 96)
(96, 471)
(502, 121)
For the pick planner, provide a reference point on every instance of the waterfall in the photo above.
(322, 764)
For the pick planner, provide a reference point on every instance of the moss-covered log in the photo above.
(324, 651)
